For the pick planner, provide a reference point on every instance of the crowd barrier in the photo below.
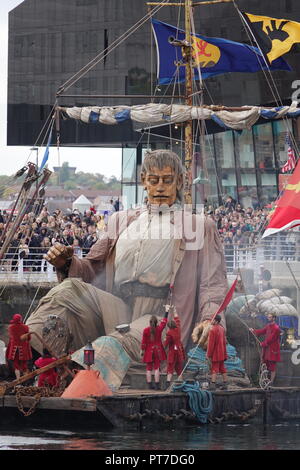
(34, 268)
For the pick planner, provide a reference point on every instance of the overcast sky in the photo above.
(104, 161)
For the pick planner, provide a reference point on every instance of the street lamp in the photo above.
(89, 355)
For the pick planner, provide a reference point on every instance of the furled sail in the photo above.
(153, 114)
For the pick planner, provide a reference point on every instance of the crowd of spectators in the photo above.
(37, 234)
(241, 225)
(241, 229)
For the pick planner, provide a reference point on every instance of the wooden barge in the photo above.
(130, 409)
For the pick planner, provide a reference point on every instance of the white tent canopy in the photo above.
(82, 204)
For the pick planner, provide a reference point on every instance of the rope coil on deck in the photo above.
(200, 401)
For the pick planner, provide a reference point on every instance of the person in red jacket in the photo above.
(152, 348)
(18, 351)
(176, 353)
(216, 352)
(270, 345)
(50, 377)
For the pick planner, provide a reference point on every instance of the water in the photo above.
(285, 436)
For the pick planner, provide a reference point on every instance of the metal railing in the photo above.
(34, 268)
(19, 265)
(282, 247)
(17, 269)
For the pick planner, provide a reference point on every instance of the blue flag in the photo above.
(46, 154)
(214, 55)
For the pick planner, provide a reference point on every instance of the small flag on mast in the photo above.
(214, 56)
(291, 160)
(274, 36)
(46, 154)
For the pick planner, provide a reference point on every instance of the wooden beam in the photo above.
(53, 403)
(4, 386)
(180, 4)
(122, 96)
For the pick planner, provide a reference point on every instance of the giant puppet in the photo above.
(148, 256)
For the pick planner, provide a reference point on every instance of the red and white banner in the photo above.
(287, 212)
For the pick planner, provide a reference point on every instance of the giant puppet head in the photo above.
(162, 177)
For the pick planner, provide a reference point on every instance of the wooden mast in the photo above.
(188, 131)
(187, 54)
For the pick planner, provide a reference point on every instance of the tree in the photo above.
(69, 180)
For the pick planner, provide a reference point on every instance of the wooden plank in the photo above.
(54, 403)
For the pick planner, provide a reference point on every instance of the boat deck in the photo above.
(142, 409)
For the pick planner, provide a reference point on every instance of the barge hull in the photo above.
(136, 410)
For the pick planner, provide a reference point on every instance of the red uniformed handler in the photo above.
(18, 351)
(152, 348)
(216, 351)
(50, 377)
(270, 345)
(176, 353)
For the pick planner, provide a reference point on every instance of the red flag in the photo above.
(287, 212)
(227, 299)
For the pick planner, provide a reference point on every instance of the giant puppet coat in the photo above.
(197, 275)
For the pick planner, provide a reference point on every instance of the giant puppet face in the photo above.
(161, 185)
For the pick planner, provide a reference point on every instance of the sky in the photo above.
(96, 160)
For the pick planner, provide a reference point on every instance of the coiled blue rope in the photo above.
(198, 360)
(200, 401)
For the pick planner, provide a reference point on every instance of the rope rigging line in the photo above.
(103, 54)
(50, 115)
(274, 91)
(28, 311)
(22, 210)
(264, 382)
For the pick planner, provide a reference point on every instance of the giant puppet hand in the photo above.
(59, 254)
(200, 333)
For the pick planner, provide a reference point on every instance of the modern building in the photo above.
(51, 40)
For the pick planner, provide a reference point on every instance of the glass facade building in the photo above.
(51, 40)
(243, 165)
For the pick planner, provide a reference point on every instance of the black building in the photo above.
(51, 40)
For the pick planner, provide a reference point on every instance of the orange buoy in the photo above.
(87, 383)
